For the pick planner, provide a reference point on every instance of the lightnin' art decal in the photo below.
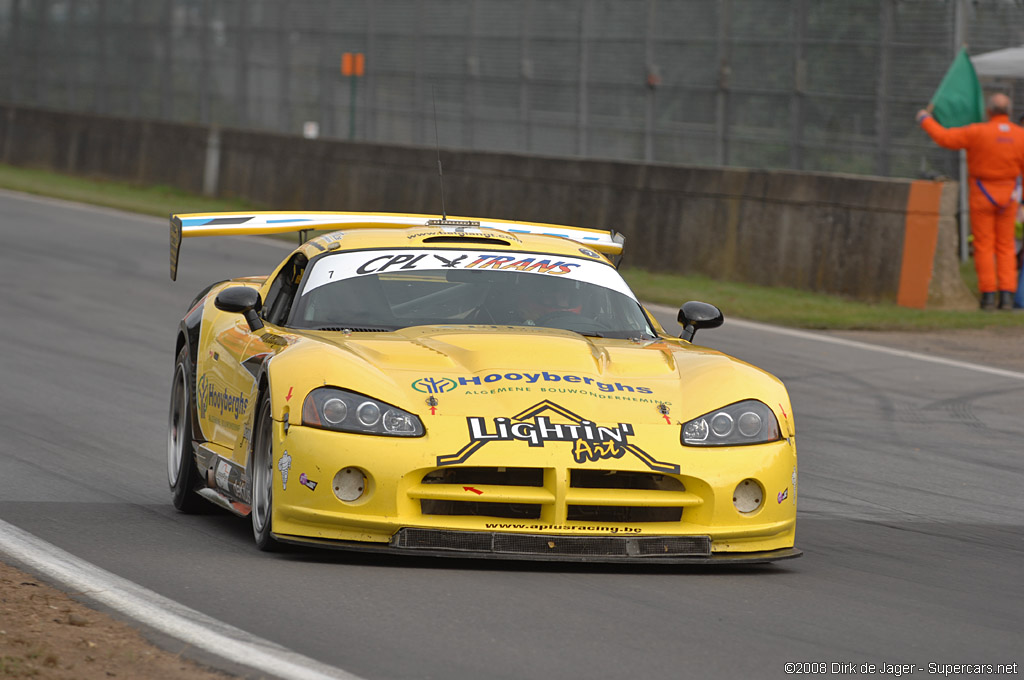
(590, 441)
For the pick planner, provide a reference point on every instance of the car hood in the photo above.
(502, 369)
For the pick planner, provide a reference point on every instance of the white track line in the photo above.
(819, 337)
(158, 612)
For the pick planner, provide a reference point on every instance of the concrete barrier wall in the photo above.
(147, 152)
(872, 239)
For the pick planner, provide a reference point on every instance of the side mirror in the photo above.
(695, 315)
(241, 300)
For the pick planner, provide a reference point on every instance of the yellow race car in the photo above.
(470, 387)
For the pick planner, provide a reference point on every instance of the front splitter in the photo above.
(551, 548)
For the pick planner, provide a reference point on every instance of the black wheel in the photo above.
(182, 474)
(261, 473)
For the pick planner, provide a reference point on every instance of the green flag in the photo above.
(959, 100)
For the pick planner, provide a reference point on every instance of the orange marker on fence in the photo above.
(353, 64)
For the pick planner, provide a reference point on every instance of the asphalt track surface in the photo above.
(911, 496)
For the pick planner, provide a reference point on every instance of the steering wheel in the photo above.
(556, 315)
(567, 321)
(481, 312)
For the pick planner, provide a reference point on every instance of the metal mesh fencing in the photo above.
(822, 85)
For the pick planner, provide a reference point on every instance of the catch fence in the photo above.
(820, 85)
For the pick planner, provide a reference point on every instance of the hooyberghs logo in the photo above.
(590, 441)
(212, 397)
(434, 385)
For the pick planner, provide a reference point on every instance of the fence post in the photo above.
(13, 52)
(205, 62)
(100, 104)
(73, 98)
(243, 64)
(722, 96)
(166, 71)
(959, 38)
(796, 111)
(327, 76)
(649, 94)
(525, 74)
(581, 89)
(882, 163)
(420, 135)
(39, 95)
(369, 127)
(284, 66)
(137, 69)
(471, 96)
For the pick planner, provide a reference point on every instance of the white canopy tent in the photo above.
(1005, 63)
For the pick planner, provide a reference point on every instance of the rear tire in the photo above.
(262, 476)
(182, 474)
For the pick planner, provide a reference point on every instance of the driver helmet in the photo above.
(536, 302)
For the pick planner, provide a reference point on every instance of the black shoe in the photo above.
(988, 302)
(1006, 300)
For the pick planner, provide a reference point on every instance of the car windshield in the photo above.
(384, 290)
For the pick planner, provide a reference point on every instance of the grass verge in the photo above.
(803, 309)
(783, 306)
(160, 201)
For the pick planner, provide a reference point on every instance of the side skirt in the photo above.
(222, 501)
(227, 482)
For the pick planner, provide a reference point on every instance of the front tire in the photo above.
(262, 475)
(182, 474)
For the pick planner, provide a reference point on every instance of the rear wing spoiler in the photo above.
(241, 224)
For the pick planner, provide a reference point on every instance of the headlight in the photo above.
(745, 422)
(331, 408)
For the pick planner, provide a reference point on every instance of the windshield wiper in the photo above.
(620, 335)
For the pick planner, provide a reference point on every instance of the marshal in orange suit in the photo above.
(995, 159)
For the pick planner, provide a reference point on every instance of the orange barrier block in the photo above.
(920, 236)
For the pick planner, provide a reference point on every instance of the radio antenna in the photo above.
(437, 145)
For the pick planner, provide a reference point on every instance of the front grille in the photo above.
(622, 479)
(609, 511)
(629, 513)
(504, 476)
(480, 509)
(473, 477)
(599, 496)
(554, 546)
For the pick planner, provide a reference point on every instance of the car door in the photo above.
(224, 386)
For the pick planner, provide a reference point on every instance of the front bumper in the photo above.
(548, 508)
